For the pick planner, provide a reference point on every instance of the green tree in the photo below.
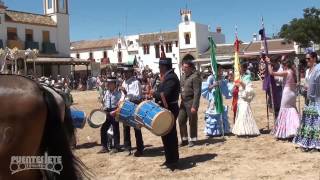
(303, 30)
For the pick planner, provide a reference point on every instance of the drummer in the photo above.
(167, 94)
(131, 89)
(110, 103)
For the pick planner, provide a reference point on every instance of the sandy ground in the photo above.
(261, 157)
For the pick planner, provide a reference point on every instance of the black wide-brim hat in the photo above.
(111, 79)
(127, 67)
(165, 61)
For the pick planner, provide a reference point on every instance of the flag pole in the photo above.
(217, 97)
(267, 73)
(236, 76)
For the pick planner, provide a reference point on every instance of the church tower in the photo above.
(55, 6)
(185, 15)
(58, 10)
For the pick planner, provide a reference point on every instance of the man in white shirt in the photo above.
(131, 91)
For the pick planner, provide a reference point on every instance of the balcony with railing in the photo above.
(15, 44)
(49, 48)
(31, 45)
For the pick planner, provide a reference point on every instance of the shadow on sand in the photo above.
(87, 145)
(265, 131)
(191, 161)
(210, 140)
(153, 152)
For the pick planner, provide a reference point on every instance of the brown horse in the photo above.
(31, 125)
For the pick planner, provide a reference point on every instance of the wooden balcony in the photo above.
(49, 48)
(15, 44)
(31, 45)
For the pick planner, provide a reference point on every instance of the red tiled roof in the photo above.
(94, 44)
(154, 37)
(28, 18)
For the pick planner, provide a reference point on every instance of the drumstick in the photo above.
(164, 101)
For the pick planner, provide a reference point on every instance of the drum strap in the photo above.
(164, 101)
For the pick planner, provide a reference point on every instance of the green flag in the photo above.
(217, 94)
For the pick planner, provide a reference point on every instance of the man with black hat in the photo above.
(167, 95)
(131, 88)
(190, 99)
(110, 103)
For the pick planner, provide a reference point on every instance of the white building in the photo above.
(189, 41)
(48, 32)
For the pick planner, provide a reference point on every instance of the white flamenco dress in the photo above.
(245, 124)
(214, 121)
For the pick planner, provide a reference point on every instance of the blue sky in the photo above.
(96, 19)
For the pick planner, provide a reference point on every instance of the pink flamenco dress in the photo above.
(288, 120)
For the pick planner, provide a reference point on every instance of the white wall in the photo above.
(3, 30)
(37, 32)
(153, 62)
(62, 34)
(134, 39)
(202, 34)
(189, 27)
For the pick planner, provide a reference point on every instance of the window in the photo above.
(168, 47)
(187, 38)
(130, 42)
(12, 34)
(177, 44)
(119, 57)
(186, 18)
(49, 4)
(29, 35)
(157, 49)
(78, 55)
(105, 55)
(61, 4)
(45, 36)
(119, 45)
(146, 49)
(90, 55)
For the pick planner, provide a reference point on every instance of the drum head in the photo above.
(162, 123)
(97, 118)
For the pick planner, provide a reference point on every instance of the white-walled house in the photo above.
(189, 41)
(48, 32)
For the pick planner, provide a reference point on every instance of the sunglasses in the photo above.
(308, 59)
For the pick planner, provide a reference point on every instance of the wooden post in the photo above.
(42, 69)
(87, 70)
(25, 66)
(58, 69)
(16, 66)
(74, 75)
(34, 68)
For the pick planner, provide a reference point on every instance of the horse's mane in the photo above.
(56, 138)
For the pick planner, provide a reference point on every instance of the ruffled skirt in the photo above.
(287, 123)
(309, 132)
(245, 124)
(213, 123)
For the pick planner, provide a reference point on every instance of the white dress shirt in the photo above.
(133, 88)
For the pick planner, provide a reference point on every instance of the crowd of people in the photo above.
(280, 84)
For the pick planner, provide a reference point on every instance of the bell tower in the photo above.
(55, 6)
(185, 15)
(58, 10)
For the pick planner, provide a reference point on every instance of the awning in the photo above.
(224, 60)
(59, 61)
